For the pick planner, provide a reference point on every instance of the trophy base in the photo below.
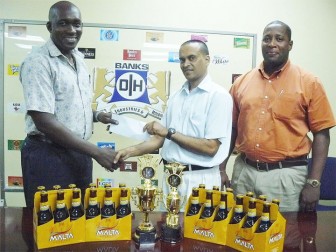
(145, 237)
(171, 234)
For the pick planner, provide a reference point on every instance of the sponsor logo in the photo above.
(244, 243)
(61, 237)
(204, 233)
(107, 232)
(275, 238)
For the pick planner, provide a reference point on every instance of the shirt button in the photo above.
(257, 145)
(257, 160)
(259, 128)
(266, 96)
(262, 112)
(269, 81)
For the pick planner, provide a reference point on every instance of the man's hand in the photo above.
(106, 118)
(225, 181)
(105, 157)
(155, 128)
(309, 198)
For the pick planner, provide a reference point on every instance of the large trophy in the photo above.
(146, 197)
(171, 230)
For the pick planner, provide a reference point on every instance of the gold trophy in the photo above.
(146, 197)
(171, 230)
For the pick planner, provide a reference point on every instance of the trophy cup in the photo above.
(146, 198)
(171, 230)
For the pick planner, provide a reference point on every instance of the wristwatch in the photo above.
(313, 182)
(171, 131)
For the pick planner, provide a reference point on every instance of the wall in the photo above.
(312, 24)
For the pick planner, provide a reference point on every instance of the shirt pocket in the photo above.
(287, 106)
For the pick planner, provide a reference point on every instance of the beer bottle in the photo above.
(262, 197)
(276, 201)
(92, 209)
(238, 210)
(195, 206)
(61, 212)
(76, 210)
(250, 194)
(251, 218)
(72, 186)
(122, 185)
(108, 208)
(41, 188)
(92, 185)
(222, 211)
(56, 187)
(208, 206)
(265, 222)
(215, 188)
(201, 186)
(45, 214)
(124, 208)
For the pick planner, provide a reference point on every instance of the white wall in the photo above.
(312, 22)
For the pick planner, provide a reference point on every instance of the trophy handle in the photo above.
(134, 196)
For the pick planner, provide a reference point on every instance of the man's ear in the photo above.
(48, 25)
(290, 45)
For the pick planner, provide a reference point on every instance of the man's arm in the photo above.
(197, 145)
(149, 146)
(310, 195)
(58, 133)
(222, 166)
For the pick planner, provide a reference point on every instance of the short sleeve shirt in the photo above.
(52, 85)
(273, 114)
(205, 112)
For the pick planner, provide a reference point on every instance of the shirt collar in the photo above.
(55, 52)
(275, 74)
(204, 85)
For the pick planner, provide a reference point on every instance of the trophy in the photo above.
(146, 198)
(171, 230)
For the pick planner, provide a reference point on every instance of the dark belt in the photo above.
(40, 138)
(262, 166)
(190, 167)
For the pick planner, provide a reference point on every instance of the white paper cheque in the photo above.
(129, 127)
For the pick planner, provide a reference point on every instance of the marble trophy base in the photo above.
(171, 234)
(145, 237)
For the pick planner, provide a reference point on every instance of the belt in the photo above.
(190, 167)
(262, 166)
(40, 138)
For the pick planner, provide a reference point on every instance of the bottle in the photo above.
(56, 187)
(215, 188)
(276, 201)
(238, 210)
(92, 209)
(262, 197)
(45, 214)
(250, 194)
(208, 205)
(201, 186)
(41, 188)
(72, 186)
(124, 208)
(76, 210)
(265, 222)
(108, 208)
(122, 185)
(222, 210)
(61, 212)
(251, 218)
(195, 206)
(92, 185)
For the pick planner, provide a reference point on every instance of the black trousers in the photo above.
(48, 164)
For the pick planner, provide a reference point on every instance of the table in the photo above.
(314, 231)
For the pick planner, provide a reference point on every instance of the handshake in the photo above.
(153, 134)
